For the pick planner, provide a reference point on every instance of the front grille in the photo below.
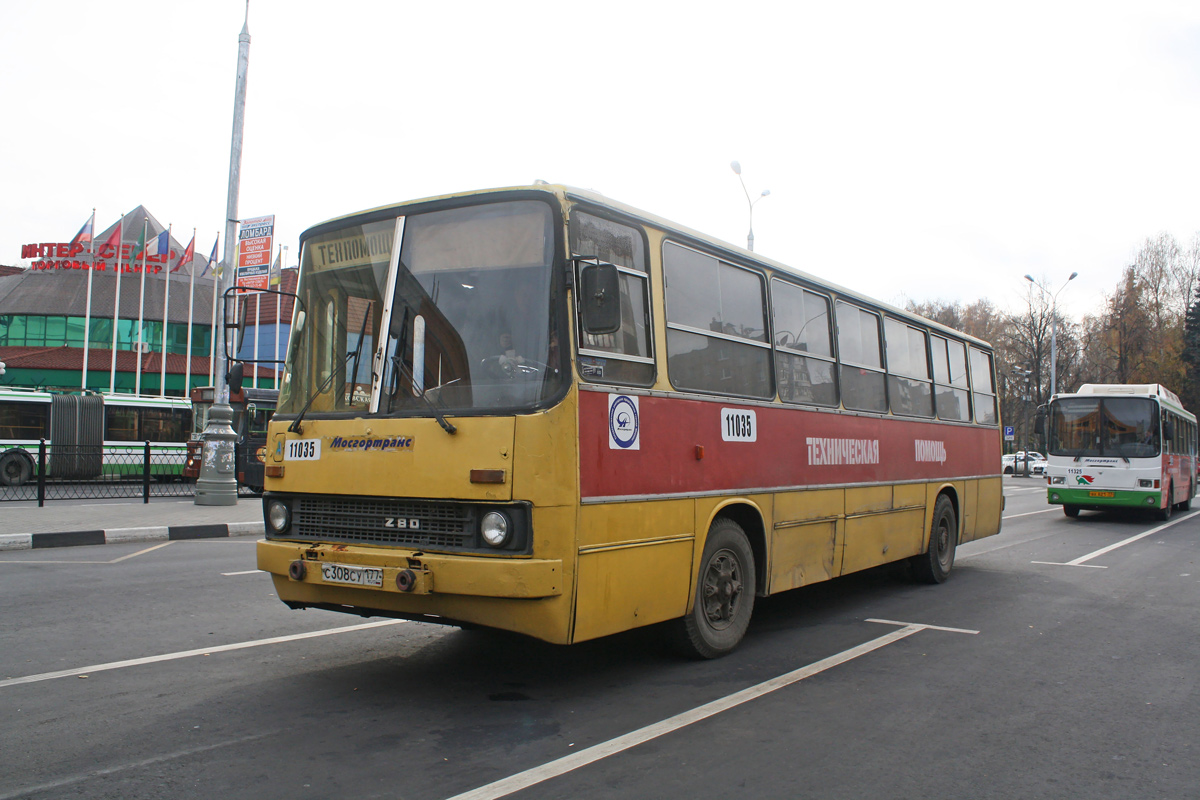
(444, 526)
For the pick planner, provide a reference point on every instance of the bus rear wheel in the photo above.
(934, 565)
(15, 468)
(724, 597)
(1163, 514)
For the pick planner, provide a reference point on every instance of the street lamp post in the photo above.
(217, 484)
(1021, 378)
(1053, 327)
(737, 169)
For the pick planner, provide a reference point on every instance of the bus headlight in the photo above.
(1145, 483)
(494, 529)
(279, 516)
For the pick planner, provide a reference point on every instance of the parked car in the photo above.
(1015, 463)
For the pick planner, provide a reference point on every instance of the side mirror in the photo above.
(234, 377)
(1039, 423)
(299, 326)
(600, 298)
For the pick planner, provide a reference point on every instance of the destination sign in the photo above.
(352, 251)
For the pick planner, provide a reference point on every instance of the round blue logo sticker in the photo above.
(623, 421)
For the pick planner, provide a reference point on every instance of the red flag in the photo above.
(188, 254)
(113, 240)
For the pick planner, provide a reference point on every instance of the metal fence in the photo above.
(72, 472)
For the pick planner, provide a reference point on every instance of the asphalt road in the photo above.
(1047, 666)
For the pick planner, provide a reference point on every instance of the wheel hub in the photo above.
(722, 588)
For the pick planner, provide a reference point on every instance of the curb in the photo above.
(171, 533)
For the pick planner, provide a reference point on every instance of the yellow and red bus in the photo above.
(540, 410)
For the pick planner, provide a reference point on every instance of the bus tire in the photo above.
(1186, 505)
(15, 468)
(934, 565)
(1071, 511)
(724, 597)
(1163, 514)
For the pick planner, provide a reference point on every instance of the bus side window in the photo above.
(950, 380)
(120, 424)
(23, 420)
(909, 387)
(716, 325)
(861, 358)
(804, 367)
(983, 385)
(627, 355)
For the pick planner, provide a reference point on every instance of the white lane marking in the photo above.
(925, 627)
(140, 552)
(1079, 562)
(221, 648)
(73, 561)
(28, 790)
(1031, 513)
(243, 572)
(561, 766)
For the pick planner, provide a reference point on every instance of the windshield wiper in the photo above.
(356, 354)
(449, 428)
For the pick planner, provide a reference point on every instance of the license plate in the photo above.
(358, 576)
(1101, 494)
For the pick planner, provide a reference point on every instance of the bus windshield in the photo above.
(1110, 427)
(471, 325)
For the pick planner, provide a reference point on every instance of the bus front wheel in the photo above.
(934, 565)
(1071, 511)
(724, 597)
(15, 468)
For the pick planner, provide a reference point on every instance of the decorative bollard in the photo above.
(217, 484)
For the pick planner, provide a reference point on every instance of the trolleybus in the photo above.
(540, 410)
(1120, 445)
(90, 434)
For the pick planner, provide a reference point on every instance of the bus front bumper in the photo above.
(1103, 498)
(408, 572)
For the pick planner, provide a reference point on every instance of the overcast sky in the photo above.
(912, 150)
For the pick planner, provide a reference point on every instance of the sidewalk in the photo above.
(65, 523)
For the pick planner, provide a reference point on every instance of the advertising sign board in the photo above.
(254, 252)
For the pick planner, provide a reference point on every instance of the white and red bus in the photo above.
(1120, 446)
(540, 410)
